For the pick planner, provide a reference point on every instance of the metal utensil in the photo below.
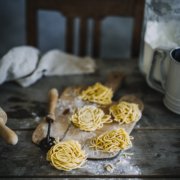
(46, 143)
(8, 134)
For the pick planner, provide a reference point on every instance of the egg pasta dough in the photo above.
(66, 155)
(111, 141)
(98, 93)
(125, 112)
(90, 118)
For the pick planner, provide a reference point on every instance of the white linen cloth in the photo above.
(24, 65)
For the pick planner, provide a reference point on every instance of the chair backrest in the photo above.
(84, 10)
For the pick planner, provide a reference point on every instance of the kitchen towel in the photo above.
(24, 65)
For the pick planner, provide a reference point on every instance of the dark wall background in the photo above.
(116, 32)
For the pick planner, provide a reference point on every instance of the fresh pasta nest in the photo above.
(90, 118)
(66, 155)
(98, 93)
(111, 141)
(125, 112)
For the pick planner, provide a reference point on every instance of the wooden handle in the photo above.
(9, 135)
(114, 80)
(53, 98)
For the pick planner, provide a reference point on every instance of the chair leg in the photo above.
(135, 42)
(31, 23)
(69, 35)
(138, 22)
(83, 36)
(96, 38)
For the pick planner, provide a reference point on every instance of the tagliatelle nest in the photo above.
(111, 141)
(90, 118)
(98, 93)
(125, 112)
(66, 155)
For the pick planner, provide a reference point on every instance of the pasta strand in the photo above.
(97, 93)
(66, 155)
(125, 112)
(90, 118)
(111, 141)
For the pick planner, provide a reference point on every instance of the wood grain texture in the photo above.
(25, 109)
(156, 136)
(151, 157)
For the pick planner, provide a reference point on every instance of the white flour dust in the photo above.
(122, 165)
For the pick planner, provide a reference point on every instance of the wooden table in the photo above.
(156, 144)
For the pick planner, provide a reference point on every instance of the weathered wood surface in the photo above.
(156, 145)
(149, 157)
(26, 107)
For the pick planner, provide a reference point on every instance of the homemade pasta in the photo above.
(125, 112)
(90, 118)
(97, 93)
(112, 141)
(66, 155)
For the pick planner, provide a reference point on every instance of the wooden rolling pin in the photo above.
(8, 135)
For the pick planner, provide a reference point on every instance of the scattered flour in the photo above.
(121, 165)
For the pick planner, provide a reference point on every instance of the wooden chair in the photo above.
(85, 9)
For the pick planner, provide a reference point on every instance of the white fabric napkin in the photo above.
(23, 65)
(18, 62)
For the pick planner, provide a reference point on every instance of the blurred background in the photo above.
(116, 32)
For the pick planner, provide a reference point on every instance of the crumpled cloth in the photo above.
(24, 65)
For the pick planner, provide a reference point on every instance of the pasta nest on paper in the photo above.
(66, 155)
(125, 112)
(90, 118)
(112, 141)
(98, 93)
